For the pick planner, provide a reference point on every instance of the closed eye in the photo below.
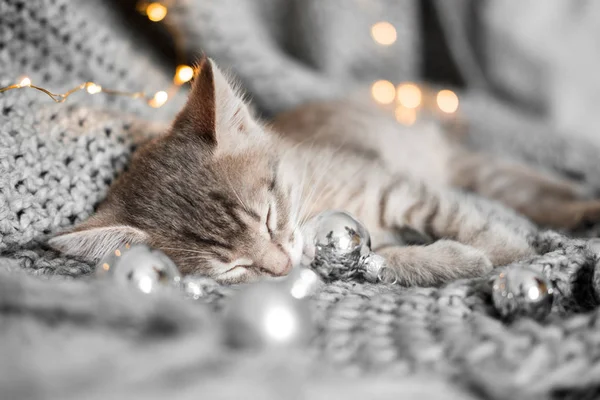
(240, 263)
(271, 221)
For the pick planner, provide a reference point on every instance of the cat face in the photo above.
(212, 194)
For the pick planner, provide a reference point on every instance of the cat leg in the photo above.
(545, 199)
(446, 214)
(435, 264)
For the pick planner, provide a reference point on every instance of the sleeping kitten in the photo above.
(226, 197)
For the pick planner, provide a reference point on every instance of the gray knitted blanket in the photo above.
(65, 335)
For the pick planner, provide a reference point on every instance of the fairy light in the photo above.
(155, 11)
(384, 33)
(92, 88)
(383, 92)
(25, 82)
(183, 74)
(409, 95)
(406, 116)
(447, 101)
(159, 99)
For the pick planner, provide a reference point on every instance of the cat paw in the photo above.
(437, 263)
(462, 261)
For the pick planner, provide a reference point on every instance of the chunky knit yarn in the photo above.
(65, 335)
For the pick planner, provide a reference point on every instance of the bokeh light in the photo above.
(409, 95)
(183, 74)
(383, 92)
(447, 101)
(384, 33)
(156, 12)
(280, 324)
(406, 116)
(159, 99)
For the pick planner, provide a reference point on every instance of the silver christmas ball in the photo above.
(106, 267)
(336, 233)
(264, 315)
(376, 269)
(141, 267)
(197, 286)
(303, 282)
(522, 292)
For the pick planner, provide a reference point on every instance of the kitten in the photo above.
(226, 196)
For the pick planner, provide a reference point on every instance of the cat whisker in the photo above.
(308, 199)
(237, 194)
(311, 200)
(299, 203)
(205, 253)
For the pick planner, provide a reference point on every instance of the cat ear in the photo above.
(92, 239)
(215, 111)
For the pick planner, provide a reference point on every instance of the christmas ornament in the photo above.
(375, 269)
(522, 292)
(106, 266)
(192, 288)
(336, 233)
(265, 315)
(197, 286)
(303, 282)
(141, 267)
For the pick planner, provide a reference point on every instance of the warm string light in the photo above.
(447, 101)
(384, 92)
(183, 74)
(384, 33)
(410, 98)
(155, 11)
(409, 95)
(406, 116)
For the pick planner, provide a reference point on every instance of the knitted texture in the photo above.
(66, 335)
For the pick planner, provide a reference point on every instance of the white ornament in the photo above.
(303, 282)
(141, 267)
(196, 287)
(265, 315)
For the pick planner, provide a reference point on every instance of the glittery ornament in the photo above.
(196, 287)
(335, 233)
(265, 315)
(302, 282)
(192, 289)
(522, 292)
(141, 267)
(376, 270)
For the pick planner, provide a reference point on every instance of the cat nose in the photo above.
(276, 263)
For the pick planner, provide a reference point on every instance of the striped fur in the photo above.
(226, 197)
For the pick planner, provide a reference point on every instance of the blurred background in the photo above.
(538, 55)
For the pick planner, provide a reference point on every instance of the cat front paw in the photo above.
(463, 261)
(437, 263)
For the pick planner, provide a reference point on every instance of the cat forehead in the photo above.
(161, 181)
